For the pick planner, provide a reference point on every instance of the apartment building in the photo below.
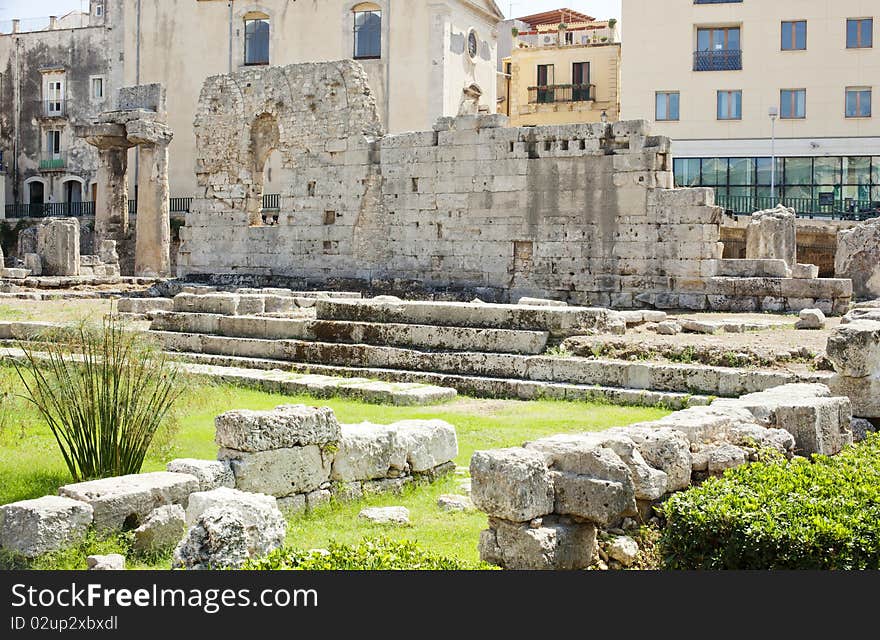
(563, 67)
(419, 55)
(735, 83)
(54, 72)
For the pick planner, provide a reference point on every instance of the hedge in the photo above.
(370, 555)
(799, 514)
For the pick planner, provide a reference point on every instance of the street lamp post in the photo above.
(773, 112)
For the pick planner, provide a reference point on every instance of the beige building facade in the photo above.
(563, 67)
(710, 74)
(419, 55)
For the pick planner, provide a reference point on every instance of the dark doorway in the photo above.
(36, 193)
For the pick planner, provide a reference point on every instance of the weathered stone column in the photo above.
(111, 206)
(153, 225)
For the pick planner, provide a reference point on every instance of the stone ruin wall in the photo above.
(584, 213)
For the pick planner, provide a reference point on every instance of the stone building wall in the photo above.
(584, 213)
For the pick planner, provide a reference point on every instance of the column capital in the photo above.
(148, 133)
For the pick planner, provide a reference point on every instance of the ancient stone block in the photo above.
(513, 484)
(772, 234)
(279, 472)
(58, 246)
(283, 427)
(211, 474)
(162, 530)
(551, 545)
(854, 349)
(368, 451)
(51, 523)
(858, 258)
(124, 502)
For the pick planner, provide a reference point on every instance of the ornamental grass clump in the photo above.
(104, 392)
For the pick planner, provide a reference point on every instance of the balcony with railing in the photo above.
(556, 93)
(50, 210)
(53, 161)
(718, 60)
(51, 108)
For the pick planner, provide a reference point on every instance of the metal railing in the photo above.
(50, 210)
(272, 202)
(552, 93)
(53, 161)
(179, 205)
(51, 108)
(719, 60)
(845, 209)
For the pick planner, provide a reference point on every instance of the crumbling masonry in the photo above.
(583, 213)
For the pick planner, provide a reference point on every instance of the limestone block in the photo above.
(428, 443)
(144, 305)
(368, 451)
(590, 481)
(450, 502)
(706, 424)
(513, 484)
(721, 457)
(854, 349)
(385, 515)
(51, 523)
(279, 472)
(805, 271)
(863, 393)
(665, 449)
(220, 303)
(754, 268)
(243, 501)
(163, 529)
(772, 234)
(111, 562)
(624, 550)
(124, 502)
(227, 535)
(58, 246)
(541, 302)
(33, 263)
(858, 258)
(762, 437)
(811, 319)
(669, 328)
(211, 474)
(283, 427)
(551, 545)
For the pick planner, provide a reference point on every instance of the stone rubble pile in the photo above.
(546, 500)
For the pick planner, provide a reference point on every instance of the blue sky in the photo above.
(599, 8)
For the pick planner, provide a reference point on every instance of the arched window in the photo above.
(256, 40)
(367, 31)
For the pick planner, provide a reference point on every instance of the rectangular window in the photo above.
(97, 89)
(256, 42)
(859, 33)
(55, 97)
(730, 105)
(546, 80)
(667, 106)
(367, 35)
(718, 39)
(793, 103)
(580, 80)
(858, 102)
(53, 143)
(794, 35)
(718, 49)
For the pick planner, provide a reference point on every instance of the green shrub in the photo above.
(819, 514)
(103, 393)
(370, 555)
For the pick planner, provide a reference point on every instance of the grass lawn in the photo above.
(31, 466)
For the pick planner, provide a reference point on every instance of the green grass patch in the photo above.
(819, 514)
(31, 466)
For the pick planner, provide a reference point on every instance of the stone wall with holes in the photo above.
(584, 213)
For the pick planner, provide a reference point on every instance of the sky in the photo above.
(601, 9)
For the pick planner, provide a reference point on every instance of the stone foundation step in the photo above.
(247, 372)
(400, 335)
(401, 394)
(677, 378)
(558, 321)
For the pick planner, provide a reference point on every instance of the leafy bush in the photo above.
(103, 393)
(370, 555)
(823, 514)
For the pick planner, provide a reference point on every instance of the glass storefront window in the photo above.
(687, 172)
(763, 165)
(742, 171)
(857, 171)
(798, 171)
(875, 170)
(826, 171)
(714, 171)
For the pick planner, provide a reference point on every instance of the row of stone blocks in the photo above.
(677, 378)
(546, 500)
(416, 336)
(300, 455)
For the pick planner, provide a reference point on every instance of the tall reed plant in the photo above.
(104, 392)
